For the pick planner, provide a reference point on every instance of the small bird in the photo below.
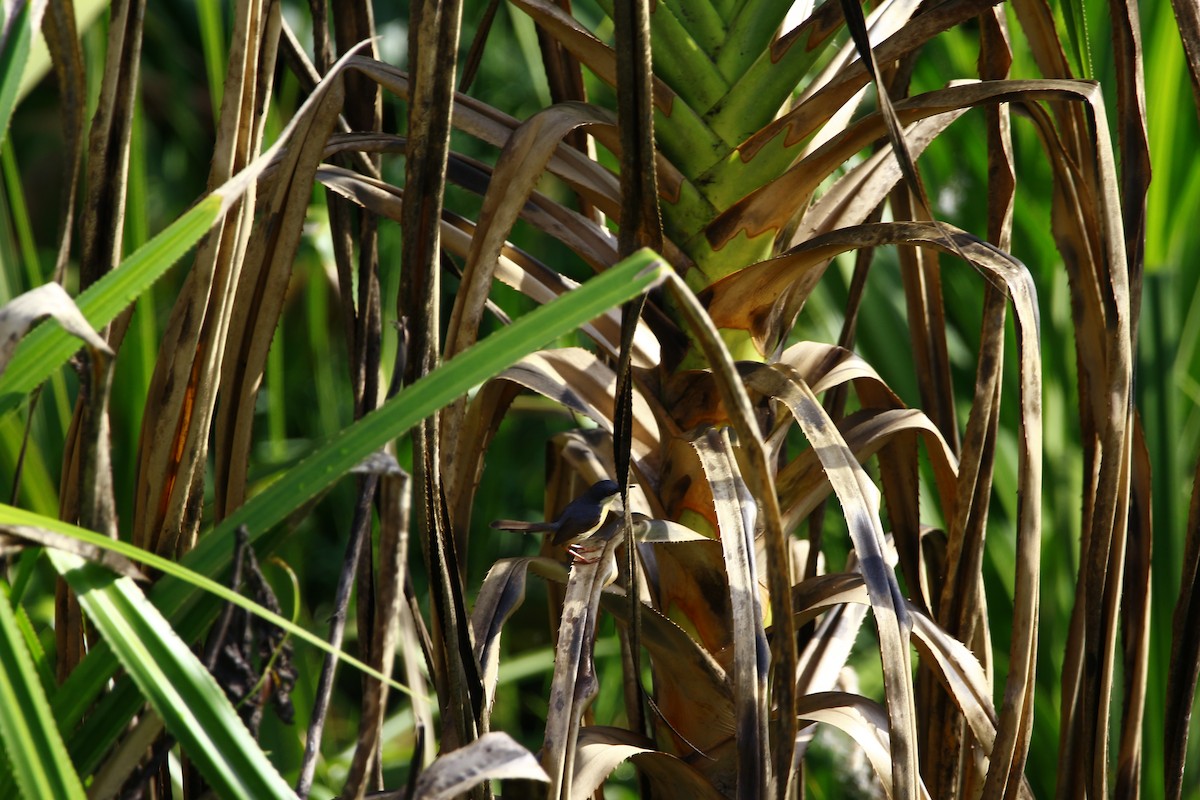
(581, 519)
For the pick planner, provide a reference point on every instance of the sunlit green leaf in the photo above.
(33, 748)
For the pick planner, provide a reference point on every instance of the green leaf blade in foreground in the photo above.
(35, 751)
(13, 56)
(172, 679)
(101, 545)
(633, 276)
(48, 347)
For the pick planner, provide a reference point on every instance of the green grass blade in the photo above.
(33, 748)
(212, 41)
(213, 555)
(49, 346)
(1074, 14)
(18, 517)
(191, 704)
(14, 52)
(22, 226)
(627, 280)
(41, 663)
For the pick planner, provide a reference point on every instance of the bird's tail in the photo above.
(521, 526)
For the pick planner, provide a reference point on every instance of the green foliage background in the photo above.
(298, 408)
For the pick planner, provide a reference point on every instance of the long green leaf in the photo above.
(14, 52)
(633, 276)
(34, 749)
(186, 697)
(212, 557)
(1074, 13)
(48, 347)
(21, 518)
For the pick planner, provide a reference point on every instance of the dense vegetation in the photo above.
(894, 364)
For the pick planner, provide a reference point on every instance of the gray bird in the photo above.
(581, 519)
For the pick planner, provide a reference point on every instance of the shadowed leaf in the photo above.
(493, 756)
